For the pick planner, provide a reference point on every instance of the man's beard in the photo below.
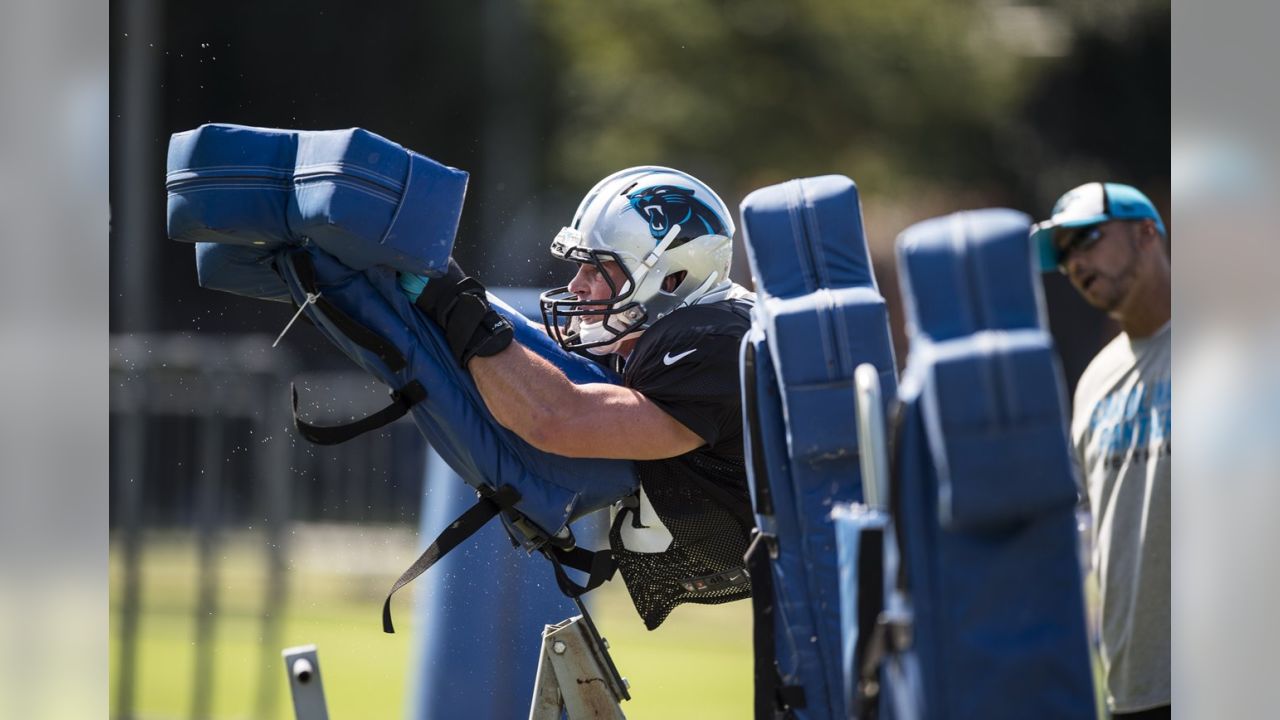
(1118, 285)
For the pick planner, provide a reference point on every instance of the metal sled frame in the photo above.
(302, 665)
(576, 674)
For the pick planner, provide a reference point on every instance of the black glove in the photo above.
(457, 304)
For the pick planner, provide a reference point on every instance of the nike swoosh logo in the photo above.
(670, 359)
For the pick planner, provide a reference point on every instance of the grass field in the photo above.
(697, 665)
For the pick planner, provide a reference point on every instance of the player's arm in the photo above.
(533, 399)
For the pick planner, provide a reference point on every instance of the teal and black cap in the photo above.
(1091, 204)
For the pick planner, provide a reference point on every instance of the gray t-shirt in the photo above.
(1121, 432)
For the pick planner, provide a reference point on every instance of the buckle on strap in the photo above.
(409, 395)
(758, 538)
(891, 635)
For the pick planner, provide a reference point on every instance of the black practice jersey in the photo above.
(687, 364)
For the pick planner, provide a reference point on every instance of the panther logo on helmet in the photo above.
(667, 205)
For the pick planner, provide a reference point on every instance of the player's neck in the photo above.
(626, 346)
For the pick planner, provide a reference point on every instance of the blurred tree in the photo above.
(902, 96)
(931, 107)
(760, 91)
(1103, 109)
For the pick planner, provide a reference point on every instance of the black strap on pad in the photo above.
(751, 410)
(870, 571)
(401, 400)
(486, 508)
(598, 565)
(359, 334)
(772, 698)
(887, 633)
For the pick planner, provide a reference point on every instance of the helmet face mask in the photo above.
(563, 311)
(654, 223)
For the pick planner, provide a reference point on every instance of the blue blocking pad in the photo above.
(453, 416)
(240, 270)
(362, 198)
(230, 184)
(817, 240)
(822, 311)
(977, 265)
(816, 340)
(985, 513)
(994, 406)
(271, 211)
(994, 398)
(818, 316)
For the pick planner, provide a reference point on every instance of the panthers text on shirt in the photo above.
(1130, 426)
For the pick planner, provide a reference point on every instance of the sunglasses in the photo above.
(1077, 239)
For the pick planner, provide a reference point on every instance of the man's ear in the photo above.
(672, 281)
(1147, 231)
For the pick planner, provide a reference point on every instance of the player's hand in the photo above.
(458, 304)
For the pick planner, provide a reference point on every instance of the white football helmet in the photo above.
(655, 222)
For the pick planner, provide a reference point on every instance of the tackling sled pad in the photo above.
(360, 197)
(453, 416)
(334, 249)
(819, 315)
(982, 498)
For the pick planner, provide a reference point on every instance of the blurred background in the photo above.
(231, 538)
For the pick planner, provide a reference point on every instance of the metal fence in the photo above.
(201, 440)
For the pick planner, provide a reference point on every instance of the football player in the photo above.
(651, 297)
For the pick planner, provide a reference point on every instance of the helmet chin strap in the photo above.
(701, 293)
(652, 258)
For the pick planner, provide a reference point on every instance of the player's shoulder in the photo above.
(716, 328)
(722, 318)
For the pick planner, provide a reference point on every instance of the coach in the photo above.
(1108, 239)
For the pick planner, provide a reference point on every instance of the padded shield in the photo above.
(281, 213)
(240, 270)
(985, 495)
(362, 198)
(454, 418)
(819, 316)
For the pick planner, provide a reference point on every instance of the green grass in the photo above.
(698, 664)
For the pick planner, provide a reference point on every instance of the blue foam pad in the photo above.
(454, 418)
(818, 316)
(822, 218)
(986, 496)
(976, 264)
(820, 305)
(358, 208)
(817, 340)
(995, 410)
(239, 270)
(360, 197)
(994, 401)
